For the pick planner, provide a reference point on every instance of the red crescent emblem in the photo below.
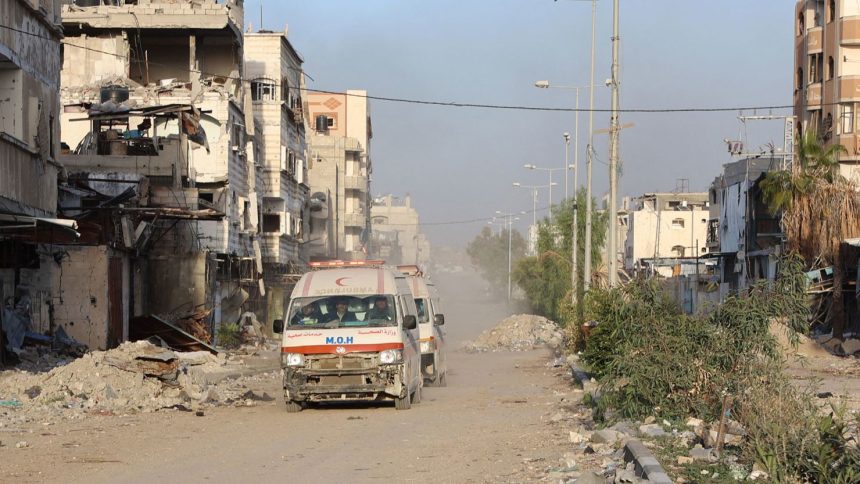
(340, 350)
(340, 282)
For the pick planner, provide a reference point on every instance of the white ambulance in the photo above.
(351, 333)
(431, 320)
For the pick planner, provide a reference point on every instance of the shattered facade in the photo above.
(273, 69)
(159, 150)
(397, 236)
(30, 59)
(339, 175)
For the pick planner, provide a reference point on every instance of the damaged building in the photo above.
(339, 175)
(273, 69)
(30, 59)
(159, 152)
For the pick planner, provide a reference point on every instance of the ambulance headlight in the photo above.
(390, 357)
(294, 359)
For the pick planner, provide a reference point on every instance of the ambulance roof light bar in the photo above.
(346, 263)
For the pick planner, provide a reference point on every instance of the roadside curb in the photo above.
(647, 466)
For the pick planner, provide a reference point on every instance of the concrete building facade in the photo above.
(339, 175)
(397, 235)
(827, 74)
(664, 230)
(162, 166)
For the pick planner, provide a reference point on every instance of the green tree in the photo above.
(545, 278)
(813, 162)
(489, 254)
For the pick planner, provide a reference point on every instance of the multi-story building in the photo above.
(274, 71)
(397, 235)
(339, 175)
(30, 59)
(154, 114)
(743, 235)
(827, 74)
(666, 231)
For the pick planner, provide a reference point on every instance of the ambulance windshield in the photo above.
(342, 312)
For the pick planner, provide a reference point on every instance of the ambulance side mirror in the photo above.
(409, 322)
(278, 326)
(439, 319)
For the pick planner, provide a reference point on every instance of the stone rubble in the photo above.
(132, 378)
(520, 332)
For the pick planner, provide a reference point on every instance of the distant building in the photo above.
(390, 215)
(339, 175)
(743, 236)
(666, 232)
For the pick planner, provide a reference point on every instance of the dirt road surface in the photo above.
(491, 424)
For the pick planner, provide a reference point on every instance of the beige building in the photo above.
(664, 230)
(827, 74)
(397, 235)
(339, 175)
(274, 70)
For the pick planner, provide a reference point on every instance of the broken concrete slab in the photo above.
(605, 436)
(652, 430)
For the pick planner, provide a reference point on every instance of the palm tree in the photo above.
(814, 162)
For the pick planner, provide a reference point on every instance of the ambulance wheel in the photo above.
(404, 403)
(293, 407)
(416, 395)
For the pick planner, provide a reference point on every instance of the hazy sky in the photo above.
(460, 163)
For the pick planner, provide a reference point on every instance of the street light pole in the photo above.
(589, 158)
(614, 135)
(574, 225)
(509, 219)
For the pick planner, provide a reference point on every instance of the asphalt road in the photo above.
(486, 426)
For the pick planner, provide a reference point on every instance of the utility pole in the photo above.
(588, 160)
(614, 135)
(573, 234)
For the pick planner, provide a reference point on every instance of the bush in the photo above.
(230, 335)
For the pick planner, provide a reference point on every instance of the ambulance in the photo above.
(351, 334)
(431, 320)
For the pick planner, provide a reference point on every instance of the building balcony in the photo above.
(355, 183)
(814, 40)
(850, 31)
(355, 220)
(813, 96)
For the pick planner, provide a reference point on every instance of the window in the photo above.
(800, 80)
(331, 122)
(801, 23)
(286, 93)
(831, 11)
(831, 68)
(847, 118)
(12, 103)
(816, 63)
(678, 223)
(271, 223)
(678, 251)
(263, 90)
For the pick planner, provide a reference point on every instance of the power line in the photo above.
(427, 102)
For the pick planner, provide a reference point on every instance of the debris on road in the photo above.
(520, 332)
(134, 377)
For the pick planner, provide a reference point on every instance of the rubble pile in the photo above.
(134, 377)
(519, 332)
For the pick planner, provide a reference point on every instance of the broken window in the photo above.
(816, 62)
(800, 80)
(263, 89)
(271, 223)
(158, 58)
(847, 118)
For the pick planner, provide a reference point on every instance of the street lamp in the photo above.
(530, 166)
(510, 218)
(534, 189)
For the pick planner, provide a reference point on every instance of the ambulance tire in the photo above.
(294, 407)
(441, 380)
(416, 395)
(404, 403)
